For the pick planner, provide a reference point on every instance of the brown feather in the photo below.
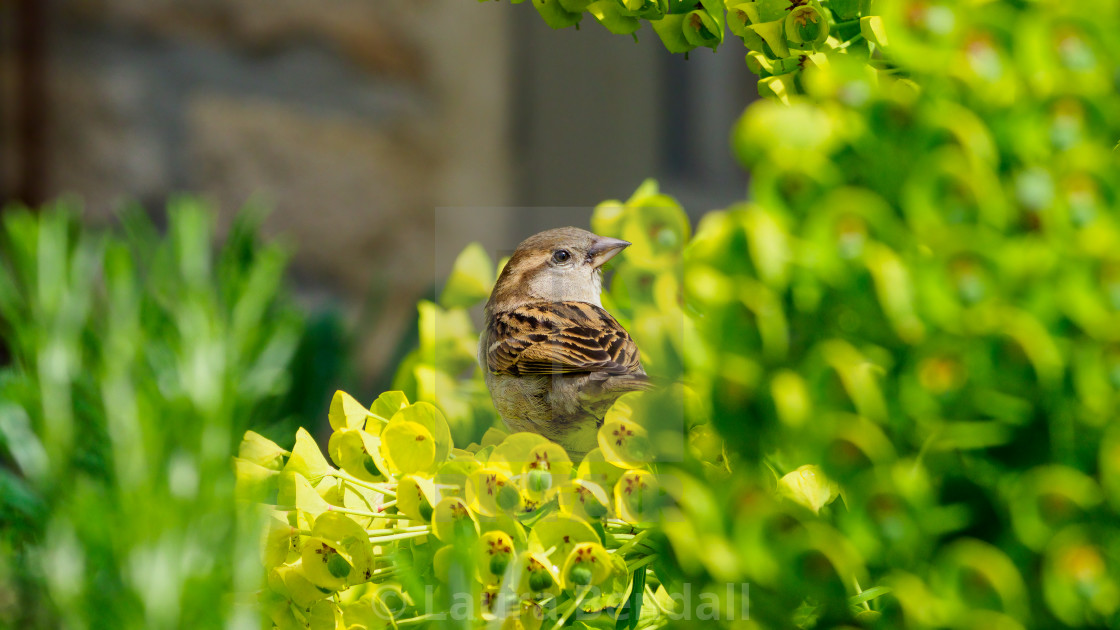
(559, 338)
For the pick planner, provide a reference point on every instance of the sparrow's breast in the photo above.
(548, 405)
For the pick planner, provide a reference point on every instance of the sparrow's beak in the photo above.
(605, 248)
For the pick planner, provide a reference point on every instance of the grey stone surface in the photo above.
(343, 188)
(104, 148)
(386, 134)
(353, 119)
(367, 33)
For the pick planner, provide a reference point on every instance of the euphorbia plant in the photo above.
(894, 368)
(445, 533)
(782, 37)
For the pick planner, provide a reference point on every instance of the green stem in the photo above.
(399, 530)
(342, 474)
(415, 620)
(335, 508)
(300, 617)
(544, 602)
(630, 568)
(853, 40)
(859, 591)
(614, 522)
(638, 538)
(377, 540)
(572, 607)
(653, 598)
(925, 449)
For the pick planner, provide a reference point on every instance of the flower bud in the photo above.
(588, 564)
(508, 498)
(806, 25)
(580, 575)
(338, 566)
(499, 563)
(540, 581)
(539, 481)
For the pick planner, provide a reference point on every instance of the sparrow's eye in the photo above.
(561, 256)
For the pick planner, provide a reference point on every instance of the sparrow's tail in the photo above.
(618, 384)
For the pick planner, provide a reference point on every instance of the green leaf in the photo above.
(871, 27)
(575, 6)
(408, 446)
(868, 595)
(845, 9)
(671, 31)
(261, 450)
(388, 404)
(306, 458)
(613, 17)
(471, 279)
(555, 15)
(430, 417)
(629, 614)
(773, 33)
(346, 412)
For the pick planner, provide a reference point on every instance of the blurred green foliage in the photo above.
(782, 37)
(136, 361)
(409, 530)
(442, 369)
(896, 373)
(919, 302)
(922, 297)
(961, 38)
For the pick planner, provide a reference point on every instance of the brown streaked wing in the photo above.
(559, 338)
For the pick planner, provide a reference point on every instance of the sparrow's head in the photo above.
(560, 265)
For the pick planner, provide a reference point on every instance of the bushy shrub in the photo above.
(136, 362)
(897, 361)
(890, 377)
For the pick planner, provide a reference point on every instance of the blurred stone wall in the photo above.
(384, 134)
(353, 119)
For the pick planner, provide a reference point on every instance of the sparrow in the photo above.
(553, 358)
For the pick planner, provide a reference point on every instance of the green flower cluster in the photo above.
(782, 36)
(953, 379)
(477, 532)
(896, 370)
(404, 528)
(751, 511)
(785, 36)
(922, 298)
(681, 24)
